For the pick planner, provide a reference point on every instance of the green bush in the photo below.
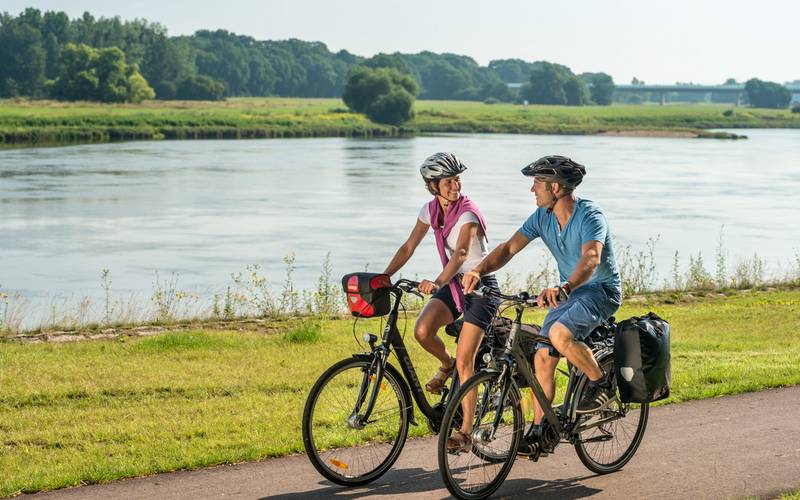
(796, 108)
(385, 95)
(727, 112)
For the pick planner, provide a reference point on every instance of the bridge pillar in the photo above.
(663, 98)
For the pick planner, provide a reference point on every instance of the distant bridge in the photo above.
(735, 90)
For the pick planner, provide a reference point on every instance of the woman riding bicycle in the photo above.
(461, 240)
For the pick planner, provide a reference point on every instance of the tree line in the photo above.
(47, 54)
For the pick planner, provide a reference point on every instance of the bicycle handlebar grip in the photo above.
(480, 291)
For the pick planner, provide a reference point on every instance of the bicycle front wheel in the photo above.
(479, 471)
(611, 436)
(353, 454)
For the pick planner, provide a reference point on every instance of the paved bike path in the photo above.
(737, 446)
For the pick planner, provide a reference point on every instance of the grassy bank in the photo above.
(42, 122)
(87, 412)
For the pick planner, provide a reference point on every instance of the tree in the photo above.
(166, 62)
(546, 85)
(601, 87)
(396, 61)
(576, 91)
(99, 75)
(200, 88)
(22, 58)
(767, 94)
(440, 80)
(511, 70)
(385, 95)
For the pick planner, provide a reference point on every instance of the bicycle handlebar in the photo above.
(523, 297)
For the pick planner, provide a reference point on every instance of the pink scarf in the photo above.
(457, 208)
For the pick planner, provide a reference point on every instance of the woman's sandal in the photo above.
(434, 385)
(458, 441)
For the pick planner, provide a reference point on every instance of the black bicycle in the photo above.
(357, 414)
(605, 440)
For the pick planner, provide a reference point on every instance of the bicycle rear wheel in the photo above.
(347, 454)
(611, 436)
(478, 473)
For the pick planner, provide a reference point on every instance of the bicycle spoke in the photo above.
(348, 452)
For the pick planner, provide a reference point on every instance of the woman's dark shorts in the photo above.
(478, 311)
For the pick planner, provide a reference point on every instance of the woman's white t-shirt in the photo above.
(477, 251)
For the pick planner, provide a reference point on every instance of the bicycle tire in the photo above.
(632, 426)
(511, 436)
(324, 455)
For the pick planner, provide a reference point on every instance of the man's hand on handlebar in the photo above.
(549, 297)
(427, 287)
(470, 281)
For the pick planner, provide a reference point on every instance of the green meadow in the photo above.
(26, 123)
(84, 412)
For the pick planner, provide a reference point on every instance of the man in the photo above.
(577, 234)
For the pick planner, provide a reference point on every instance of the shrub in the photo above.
(385, 95)
(727, 112)
(200, 88)
(796, 108)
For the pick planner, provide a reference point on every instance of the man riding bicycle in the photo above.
(576, 232)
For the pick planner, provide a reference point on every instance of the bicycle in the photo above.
(357, 415)
(605, 440)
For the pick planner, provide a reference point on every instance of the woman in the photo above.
(461, 241)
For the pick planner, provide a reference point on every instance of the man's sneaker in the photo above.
(597, 395)
(529, 445)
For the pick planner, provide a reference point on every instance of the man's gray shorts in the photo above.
(585, 309)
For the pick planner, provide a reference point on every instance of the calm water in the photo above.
(205, 209)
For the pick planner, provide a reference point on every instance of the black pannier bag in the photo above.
(367, 294)
(642, 359)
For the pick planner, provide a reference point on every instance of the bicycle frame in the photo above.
(513, 352)
(380, 355)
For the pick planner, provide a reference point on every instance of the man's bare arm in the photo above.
(496, 259)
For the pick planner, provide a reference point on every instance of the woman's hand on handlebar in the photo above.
(470, 281)
(427, 287)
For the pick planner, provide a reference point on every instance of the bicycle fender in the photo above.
(365, 356)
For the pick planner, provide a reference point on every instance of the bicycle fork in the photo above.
(374, 373)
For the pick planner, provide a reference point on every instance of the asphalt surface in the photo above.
(731, 447)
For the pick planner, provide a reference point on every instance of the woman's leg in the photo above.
(468, 343)
(434, 316)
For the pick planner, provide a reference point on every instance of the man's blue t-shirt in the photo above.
(586, 223)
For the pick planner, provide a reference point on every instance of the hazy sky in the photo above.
(701, 41)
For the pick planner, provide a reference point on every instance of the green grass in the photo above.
(40, 122)
(95, 411)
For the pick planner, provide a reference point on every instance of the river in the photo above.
(206, 209)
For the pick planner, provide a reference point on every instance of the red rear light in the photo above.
(352, 284)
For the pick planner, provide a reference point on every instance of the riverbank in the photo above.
(32, 123)
(96, 411)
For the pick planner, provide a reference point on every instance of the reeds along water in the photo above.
(251, 295)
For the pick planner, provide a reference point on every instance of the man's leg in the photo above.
(576, 352)
(598, 392)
